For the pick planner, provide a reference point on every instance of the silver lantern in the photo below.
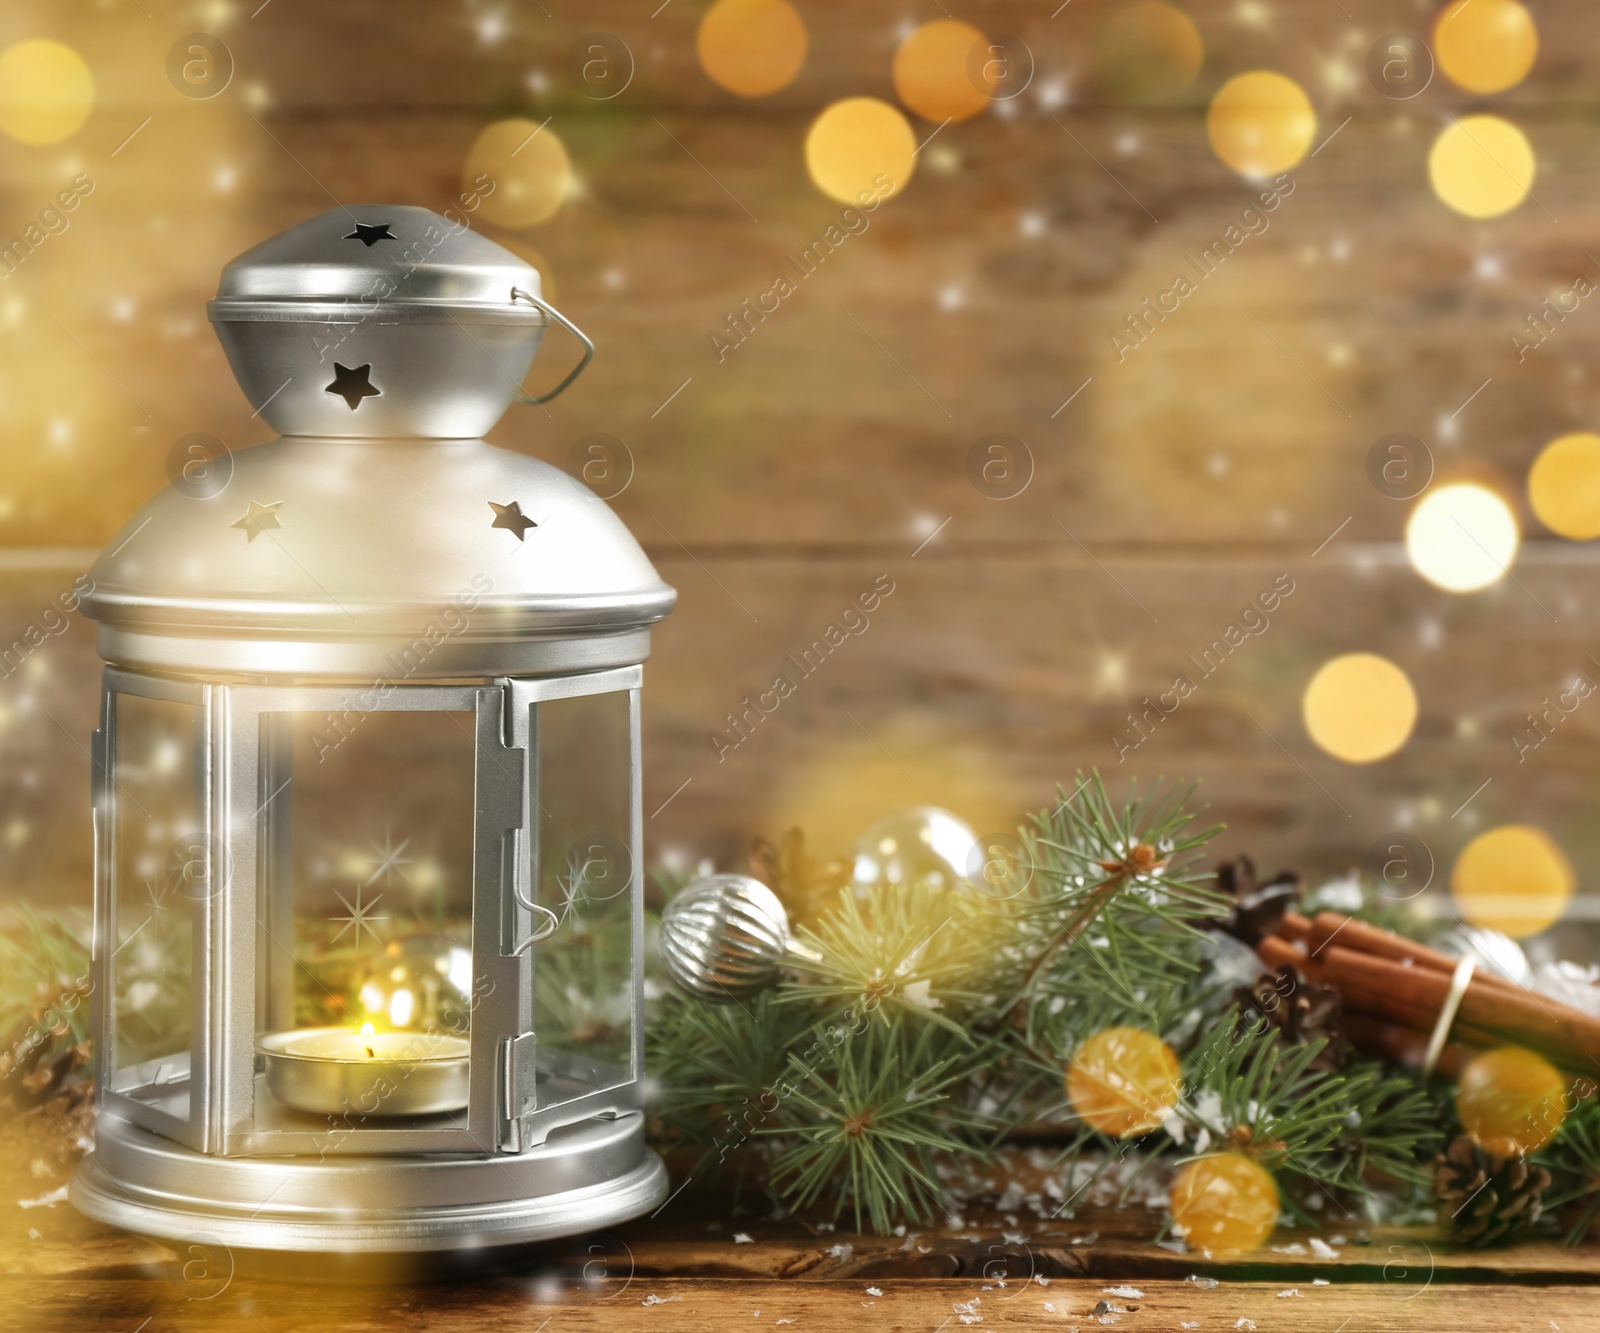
(368, 913)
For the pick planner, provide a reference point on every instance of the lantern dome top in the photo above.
(345, 558)
(396, 254)
(383, 321)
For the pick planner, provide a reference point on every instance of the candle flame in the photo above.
(368, 1030)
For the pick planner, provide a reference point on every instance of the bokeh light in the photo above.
(751, 47)
(1511, 1100)
(1564, 486)
(1225, 1204)
(1359, 708)
(1513, 879)
(1485, 46)
(1123, 1081)
(528, 167)
(1261, 123)
(1462, 537)
(1147, 51)
(860, 146)
(1481, 166)
(46, 92)
(935, 73)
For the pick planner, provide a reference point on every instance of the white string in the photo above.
(1447, 1013)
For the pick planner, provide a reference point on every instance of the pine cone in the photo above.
(1485, 1199)
(1257, 908)
(806, 885)
(37, 1057)
(1300, 1011)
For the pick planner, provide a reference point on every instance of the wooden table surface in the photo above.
(701, 1264)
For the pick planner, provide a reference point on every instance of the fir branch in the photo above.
(870, 1132)
(715, 1068)
(1573, 1159)
(1122, 879)
(905, 951)
(1328, 1130)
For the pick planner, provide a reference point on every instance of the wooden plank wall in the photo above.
(778, 484)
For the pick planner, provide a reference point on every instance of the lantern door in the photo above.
(371, 999)
(577, 913)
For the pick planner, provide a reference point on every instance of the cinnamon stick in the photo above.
(1396, 991)
(1293, 926)
(1276, 952)
(1370, 939)
(1395, 1010)
(1405, 1045)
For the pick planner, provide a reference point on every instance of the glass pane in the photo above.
(583, 972)
(365, 954)
(155, 852)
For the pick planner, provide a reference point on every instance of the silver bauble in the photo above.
(724, 936)
(925, 845)
(1497, 954)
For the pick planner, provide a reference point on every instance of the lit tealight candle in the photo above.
(337, 1071)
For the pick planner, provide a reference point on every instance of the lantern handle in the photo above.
(570, 327)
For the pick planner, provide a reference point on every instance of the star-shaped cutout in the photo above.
(259, 518)
(353, 384)
(370, 233)
(360, 915)
(511, 518)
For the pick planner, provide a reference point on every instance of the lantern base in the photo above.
(582, 1178)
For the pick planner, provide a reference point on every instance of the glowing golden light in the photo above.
(860, 146)
(1564, 486)
(1147, 50)
(935, 74)
(751, 47)
(1513, 879)
(528, 172)
(46, 92)
(1462, 537)
(1123, 1081)
(1224, 1205)
(1511, 1100)
(1359, 708)
(1485, 46)
(1261, 123)
(1481, 166)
